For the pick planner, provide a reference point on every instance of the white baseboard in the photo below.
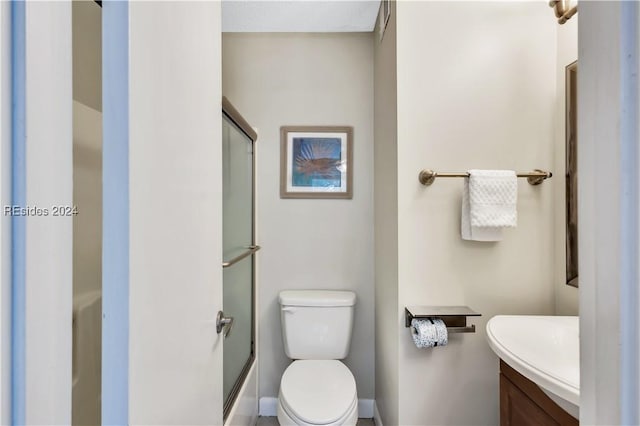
(376, 414)
(365, 408)
(269, 407)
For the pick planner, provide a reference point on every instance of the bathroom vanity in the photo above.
(523, 403)
(539, 368)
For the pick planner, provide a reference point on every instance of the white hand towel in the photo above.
(475, 233)
(493, 195)
(488, 204)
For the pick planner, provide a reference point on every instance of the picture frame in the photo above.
(316, 162)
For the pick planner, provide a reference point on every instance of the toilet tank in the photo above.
(316, 324)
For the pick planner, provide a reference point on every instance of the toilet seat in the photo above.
(287, 419)
(318, 392)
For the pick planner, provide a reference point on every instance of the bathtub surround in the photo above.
(283, 79)
(483, 97)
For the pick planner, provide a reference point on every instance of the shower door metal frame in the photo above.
(229, 111)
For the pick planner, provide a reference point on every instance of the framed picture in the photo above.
(316, 162)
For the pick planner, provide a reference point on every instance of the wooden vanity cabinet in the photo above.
(522, 402)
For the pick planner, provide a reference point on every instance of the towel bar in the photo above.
(454, 317)
(536, 177)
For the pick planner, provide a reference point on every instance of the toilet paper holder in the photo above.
(454, 317)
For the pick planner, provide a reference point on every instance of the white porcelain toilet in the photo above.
(317, 388)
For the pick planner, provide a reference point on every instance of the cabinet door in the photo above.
(522, 402)
(517, 409)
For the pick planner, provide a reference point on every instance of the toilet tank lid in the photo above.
(317, 298)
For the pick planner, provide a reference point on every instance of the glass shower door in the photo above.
(238, 251)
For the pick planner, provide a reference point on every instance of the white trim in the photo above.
(5, 221)
(269, 407)
(48, 239)
(115, 213)
(608, 226)
(376, 414)
(629, 220)
(365, 408)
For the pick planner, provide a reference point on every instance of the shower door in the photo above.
(237, 320)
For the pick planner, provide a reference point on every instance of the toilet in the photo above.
(317, 388)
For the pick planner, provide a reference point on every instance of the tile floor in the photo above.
(273, 421)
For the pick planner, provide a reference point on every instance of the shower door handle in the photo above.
(249, 252)
(223, 323)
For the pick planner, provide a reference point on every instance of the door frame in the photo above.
(609, 226)
(40, 241)
(5, 221)
(115, 212)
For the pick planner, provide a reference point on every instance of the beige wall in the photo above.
(87, 53)
(386, 223)
(476, 89)
(308, 79)
(87, 263)
(566, 296)
(87, 197)
(87, 146)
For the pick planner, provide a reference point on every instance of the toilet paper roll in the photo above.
(429, 332)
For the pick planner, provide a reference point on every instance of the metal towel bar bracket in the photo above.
(427, 177)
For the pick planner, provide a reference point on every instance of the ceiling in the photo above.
(299, 15)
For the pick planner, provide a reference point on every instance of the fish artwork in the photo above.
(317, 162)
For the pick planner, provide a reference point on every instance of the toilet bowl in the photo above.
(317, 392)
(317, 389)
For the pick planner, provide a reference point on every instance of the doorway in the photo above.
(87, 220)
